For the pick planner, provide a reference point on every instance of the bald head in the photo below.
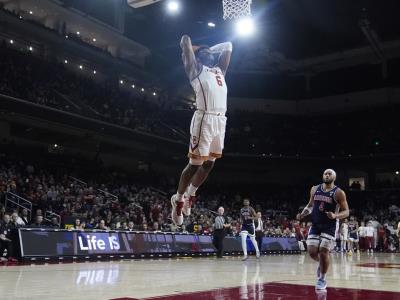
(329, 176)
(221, 211)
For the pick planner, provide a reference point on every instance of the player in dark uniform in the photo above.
(247, 217)
(353, 235)
(327, 205)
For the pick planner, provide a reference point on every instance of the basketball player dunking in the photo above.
(327, 205)
(207, 129)
(247, 217)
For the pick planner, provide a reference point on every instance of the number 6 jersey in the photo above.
(210, 89)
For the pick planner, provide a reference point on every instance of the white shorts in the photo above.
(322, 240)
(344, 236)
(207, 135)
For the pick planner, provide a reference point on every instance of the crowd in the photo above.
(368, 132)
(111, 202)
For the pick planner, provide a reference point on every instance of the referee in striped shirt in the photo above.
(219, 232)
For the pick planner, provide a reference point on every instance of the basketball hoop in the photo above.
(235, 9)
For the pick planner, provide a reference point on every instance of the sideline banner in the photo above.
(56, 243)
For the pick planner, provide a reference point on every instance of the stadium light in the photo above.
(65, 61)
(11, 42)
(66, 36)
(154, 94)
(55, 145)
(142, 89)
(80, 67)
(121, 82)
(245, 27)
(173, 6)
(94, 72)
(211, 24)
(20, 17)
(78, 33)
(31, 12)
(30, 48)
(133, 86)
(94, 40)
(397, 172)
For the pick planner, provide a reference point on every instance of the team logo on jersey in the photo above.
(194, 143)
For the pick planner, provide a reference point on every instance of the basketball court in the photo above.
(272, 277)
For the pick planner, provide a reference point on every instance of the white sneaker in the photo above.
(258, 255)
(176, 214)
(245, 258)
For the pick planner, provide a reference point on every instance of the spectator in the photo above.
(6, 239)
(25, 217)
(102, 225)
(16, 220)
(77, 225)
(38, 222)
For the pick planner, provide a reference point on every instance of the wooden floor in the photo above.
(272, 277)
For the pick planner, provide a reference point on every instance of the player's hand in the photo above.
(331, 215)
(299, 217)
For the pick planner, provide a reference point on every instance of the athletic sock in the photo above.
(179, 197)
(323, 276)
(191, 190)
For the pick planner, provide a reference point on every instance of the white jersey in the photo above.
(211, 90)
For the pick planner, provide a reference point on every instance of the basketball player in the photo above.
(247, 217)
(327, 205)
(353, 235)
(344, 234)
(207, 129)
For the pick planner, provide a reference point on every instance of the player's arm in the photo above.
(225, 51)
(253, 214)
(344, 207)
(307, 210)
(188, 58)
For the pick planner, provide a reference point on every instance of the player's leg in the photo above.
(343, 242)
(212, 143)
(177, 200)
(313, 241)
(253, 240)
(243, 236)
(200, 176)
(327, 240)
(252, 235)
(350, 245)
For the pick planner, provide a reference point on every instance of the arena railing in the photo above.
(18, 201)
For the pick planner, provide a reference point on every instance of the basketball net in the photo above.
(235, 9)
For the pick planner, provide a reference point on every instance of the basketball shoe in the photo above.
(176, 214)
(187, 206)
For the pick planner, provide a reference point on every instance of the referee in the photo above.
(219, 232)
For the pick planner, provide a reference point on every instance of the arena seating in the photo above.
(108, 201)
(367, 132)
